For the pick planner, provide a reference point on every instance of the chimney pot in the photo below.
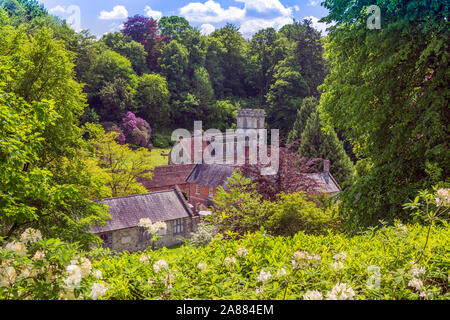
(326, 166)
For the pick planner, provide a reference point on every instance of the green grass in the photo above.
(160, 160)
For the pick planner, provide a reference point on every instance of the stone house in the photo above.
(122, 233)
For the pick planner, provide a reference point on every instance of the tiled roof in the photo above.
(126, 212)
(325, 182)
(164, 176)
(210, 175)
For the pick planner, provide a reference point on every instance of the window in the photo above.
(211, 192)
(107, 239)
(143, 236)
(197, 189)
(178, 226)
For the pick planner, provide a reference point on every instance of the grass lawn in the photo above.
(160, 160)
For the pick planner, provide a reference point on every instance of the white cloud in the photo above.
(255, 15)
(251, 26)
(313, 2)
(297, 8)
(321, 26)
(57, 9)
(206, 29)
(211, 11)
(119, 12)
(153, 13)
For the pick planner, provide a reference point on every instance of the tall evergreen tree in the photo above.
(319, 142)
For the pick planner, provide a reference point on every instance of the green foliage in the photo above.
(118, 165)
(203, 236)
(42, 101)
(212, 274)
(127, 47)
(161, 141)
(240, 209)
(309, 106)
(294, 212)
(151, 98)
(319, 142)
(388, 90)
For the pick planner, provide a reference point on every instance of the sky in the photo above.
(103, 16)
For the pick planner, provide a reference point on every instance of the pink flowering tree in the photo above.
(137, 131)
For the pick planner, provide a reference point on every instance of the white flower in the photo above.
(74, 278)
(341, 291)
(416, 271)
(338, 266)
(7, 276)
(424, 295)
(230, 260)
(18, 247)
(281, 273)
(144, 258)
(97, 274)
(242, 252)
(259, 290)
(416, 284)
(156, 227)
(443, 197)
(159, 265)
(85, 267)
(145, 223)
(401, 228)
(97, 290)
(202, 266)
(313, 295)
(30, 235)
(38, 255)
(264, 276)
(340, 256)
(300, 255)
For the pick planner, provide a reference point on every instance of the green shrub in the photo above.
(294, 213)
(203, 236)
(375, 265)
(161, 141)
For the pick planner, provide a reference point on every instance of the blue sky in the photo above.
(102, 16)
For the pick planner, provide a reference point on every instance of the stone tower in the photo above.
(251, 119)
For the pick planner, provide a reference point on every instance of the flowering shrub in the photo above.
(34, 268)
(374, 265)
(137, 130)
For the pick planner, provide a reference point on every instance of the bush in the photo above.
(161, 141)
(374, 265)
(203, 236)
(293, 213)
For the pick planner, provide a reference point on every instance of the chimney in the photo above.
(326, 166)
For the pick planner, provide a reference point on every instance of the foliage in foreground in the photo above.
(374, 265)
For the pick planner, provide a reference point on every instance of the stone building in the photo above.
(122, 233)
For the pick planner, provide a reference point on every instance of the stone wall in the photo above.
(131, 240)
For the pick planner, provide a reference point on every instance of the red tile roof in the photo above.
(165, 176)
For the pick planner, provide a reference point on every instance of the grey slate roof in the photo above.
(325, 182)
(210, 175)
(126, 212)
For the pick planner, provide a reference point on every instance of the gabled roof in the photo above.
(325, 182)
(126, 212)
(210, 175)
(164, 176)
